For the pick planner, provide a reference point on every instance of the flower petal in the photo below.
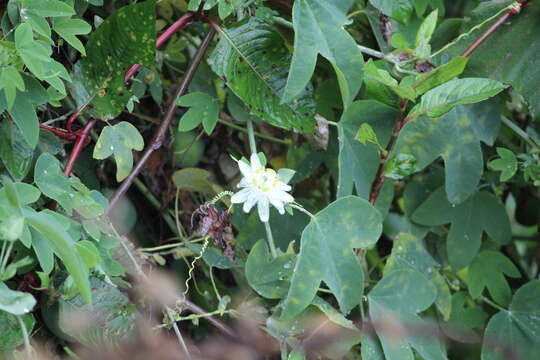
(249, 203)
(245, 169)
(264, 209)
(240, 196)
(255, 162)
(278, 205)
(282, 196)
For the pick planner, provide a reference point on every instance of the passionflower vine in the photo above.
(262, 186)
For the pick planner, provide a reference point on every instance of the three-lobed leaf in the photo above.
(119, 140)
(326, 254)
(488, 270)
(507, 164)
(319, 29)
(204, 109)
(480, 213)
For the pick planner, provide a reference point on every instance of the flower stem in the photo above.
(27, 346)
(270, 239)
(251, 136)
(262, 136)
(301, 209)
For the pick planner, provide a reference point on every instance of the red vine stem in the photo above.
(78, 147)
(62, 134)
(400, 122)
(494, 26)
(159, 136)
(181, 23)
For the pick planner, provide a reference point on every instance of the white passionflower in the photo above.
(263, 187)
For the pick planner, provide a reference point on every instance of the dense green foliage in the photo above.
(373, 204)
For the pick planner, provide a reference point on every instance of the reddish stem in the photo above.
(493, 27)
(162, 39)
(58, 132)
(379, 178)
(78, 147)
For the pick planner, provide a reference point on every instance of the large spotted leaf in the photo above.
(326, 254)
(452, 137)
(394, 303)
(252, 59)
(515, 333)
(481, 213)
(125, 38)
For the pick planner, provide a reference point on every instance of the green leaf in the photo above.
(47, 8)
(424, 33)
(67, 28)
(464, 319)
(515, 331)
(319, 29)
(452, 137)
(423, 36)
(394, 302)
(88, 252)
(358, 163)
(326, 254)
(119, 140)
(374, 73)
(399, 166)
(203, 109)
(251, 57)
(63, 245)
(35, 53)
(440, 100)
(125, 38)
(409, 253)
(24, 116)
(507, 164)
(268, 277)
(43, 250)
(480, 213)
(15, 302)
(366, 135)
(11, 334)
(109, 320)
(69, 192)
(487, 271)
(492, 59)
(15, 153)
(401, 10)
(439, 75)
(10, 81)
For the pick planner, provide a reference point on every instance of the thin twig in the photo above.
(159, 136)
(379, 178)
